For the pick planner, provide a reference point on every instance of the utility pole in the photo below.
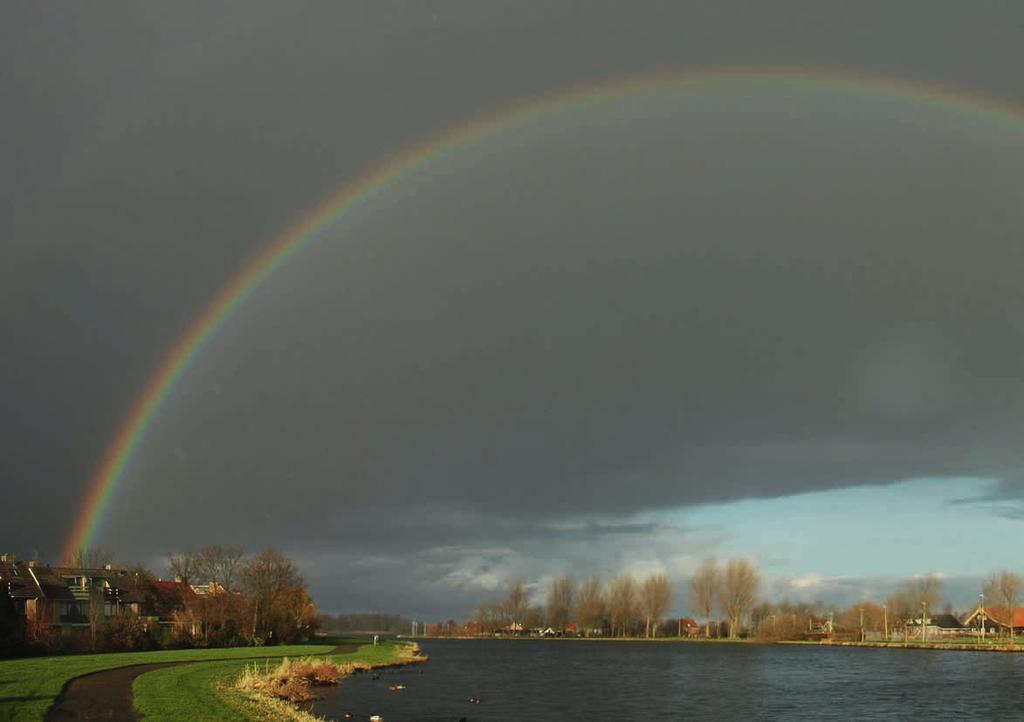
(924, 614)
(862, 622)
(981, 598)
(885, 616)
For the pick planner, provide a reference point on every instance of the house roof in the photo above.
(996, 615)
(51, 583)
(688, 622)
(945, 621)
(120, 580)
(19, 583)
(1000, 615)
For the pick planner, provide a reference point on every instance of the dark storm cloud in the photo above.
(546, 337)
(656, 318)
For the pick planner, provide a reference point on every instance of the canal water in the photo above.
(534, 680)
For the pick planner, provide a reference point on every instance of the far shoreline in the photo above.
(940, 646)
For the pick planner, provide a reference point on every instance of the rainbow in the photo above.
(188, 347)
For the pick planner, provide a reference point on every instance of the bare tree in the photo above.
(561, 596)
(533, 617)
(489, 616)
(924, 589)
(219, 564)
(516, 602)
(655, 599)
(622, 604)
(1005, 586)
(703, 586)
(912, 598)
(738, 591)
(271, 579)
(183, 566)
(591, 605)
(91, 558)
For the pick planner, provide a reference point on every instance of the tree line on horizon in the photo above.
(725, 596)
(621, 606)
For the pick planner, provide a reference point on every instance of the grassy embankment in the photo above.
(206, 691)
(28, 687)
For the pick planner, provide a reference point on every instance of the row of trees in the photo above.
(732, 588)
(257, 599)
(725, 596)
(621, 607)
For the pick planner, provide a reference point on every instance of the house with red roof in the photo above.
(688, 627)
(996, 619)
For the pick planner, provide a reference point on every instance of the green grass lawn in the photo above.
(201, 691)
(29, 686)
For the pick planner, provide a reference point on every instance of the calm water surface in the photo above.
(528, 680)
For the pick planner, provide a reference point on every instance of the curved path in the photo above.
(107, 695)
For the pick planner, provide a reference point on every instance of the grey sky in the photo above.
(652, 306)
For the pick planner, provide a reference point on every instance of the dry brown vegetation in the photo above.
(295, 680)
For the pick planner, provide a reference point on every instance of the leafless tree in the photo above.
(490, 616)
(219, 564)
(1005, 587)
(738, 591)
(622, 604)
(926, 589)
(533, 617)
(92, 558)
(561, 596)
(655, 599)
(183, 565)
(96, 611)
(906, 604)
(703, 586)
(271, 579)
(591, 605)
(516, 602)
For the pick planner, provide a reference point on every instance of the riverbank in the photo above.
(957, 646)
(167, 685)
(288, 690)
(972, 646)
(678, 640)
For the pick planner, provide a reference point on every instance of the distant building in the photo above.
(996, 619)
(935, 625)
(688, 627)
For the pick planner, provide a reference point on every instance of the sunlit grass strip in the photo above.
(28, 687)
